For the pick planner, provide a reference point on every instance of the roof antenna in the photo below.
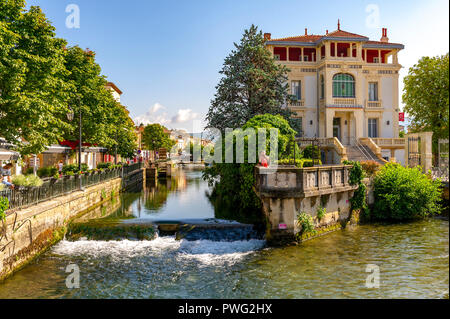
(339, 25)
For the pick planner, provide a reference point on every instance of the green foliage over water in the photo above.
(233, 182)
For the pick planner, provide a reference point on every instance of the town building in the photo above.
(345, 87)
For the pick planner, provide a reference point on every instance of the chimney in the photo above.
(306, 31)
(267, 36)
(384, 37)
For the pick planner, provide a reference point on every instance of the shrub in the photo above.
(27, 181)
(47, 171)
(74, 168)
(370, 167)
(321, 212)
(29, 170)
(104, 165)
(303, 162)
(4, 205)
(307, 223)
(405, 193)
(311, 152)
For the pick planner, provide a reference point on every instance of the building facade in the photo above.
(345, 85)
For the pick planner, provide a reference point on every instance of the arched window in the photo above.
(343, 85)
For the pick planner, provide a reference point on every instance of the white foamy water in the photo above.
(204, 251)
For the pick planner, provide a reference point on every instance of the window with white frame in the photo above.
(373, 127)
(373, 91)
(343, 85)
(297, 90)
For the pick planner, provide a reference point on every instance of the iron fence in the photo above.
(22, 197)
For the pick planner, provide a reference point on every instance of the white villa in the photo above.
(346, 89)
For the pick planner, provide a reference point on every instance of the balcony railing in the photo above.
(344, 101)
(389, 142)
(373, 104)
(298, 103)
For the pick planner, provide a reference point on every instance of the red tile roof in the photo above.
(314, 38)
(381, 43)
(344, 34)
(301, 38)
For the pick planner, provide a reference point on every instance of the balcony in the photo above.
(298, 103)
(390, 143)
(344, 101)
(374, 104)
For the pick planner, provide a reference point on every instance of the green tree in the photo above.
(155, 138)
(233, 182)
(251, 84)
(426, 96)
(32, 87)
(104, 120)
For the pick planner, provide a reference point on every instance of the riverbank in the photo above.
(27, 233)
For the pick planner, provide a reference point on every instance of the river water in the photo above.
(412, 259)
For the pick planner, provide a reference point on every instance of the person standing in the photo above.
(60, 167)
(6, 175)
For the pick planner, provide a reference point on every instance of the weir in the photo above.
(287, 191)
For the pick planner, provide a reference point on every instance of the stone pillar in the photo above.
(329, 115)
(327, 49)
(426, 153)
(392, 158)
(359, 123)
(301, 54)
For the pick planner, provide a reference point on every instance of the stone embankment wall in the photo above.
(287, 191)
(28, 232)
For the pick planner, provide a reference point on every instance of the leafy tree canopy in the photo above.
(32, 87)
(155, 138)
(426, 96)
(251, 84)
(41, 80)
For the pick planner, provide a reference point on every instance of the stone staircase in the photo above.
(361, 153)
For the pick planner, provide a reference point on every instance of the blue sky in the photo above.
(165, 55)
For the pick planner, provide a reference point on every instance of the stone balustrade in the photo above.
(292, 181)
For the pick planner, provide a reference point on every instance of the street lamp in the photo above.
(70, 117)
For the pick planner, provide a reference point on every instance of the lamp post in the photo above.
(115, 153)
(70, 117)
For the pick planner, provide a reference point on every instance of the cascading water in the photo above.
(224, 259)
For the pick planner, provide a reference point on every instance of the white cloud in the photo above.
(183, 119)
(156, 107)
(184, 115)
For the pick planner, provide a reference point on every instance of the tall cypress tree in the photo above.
(251, 84)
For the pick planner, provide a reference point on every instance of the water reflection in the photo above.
(180, 197)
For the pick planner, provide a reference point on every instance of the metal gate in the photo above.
(441, 170)
(414, 151)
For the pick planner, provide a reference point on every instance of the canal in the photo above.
(413, 258)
